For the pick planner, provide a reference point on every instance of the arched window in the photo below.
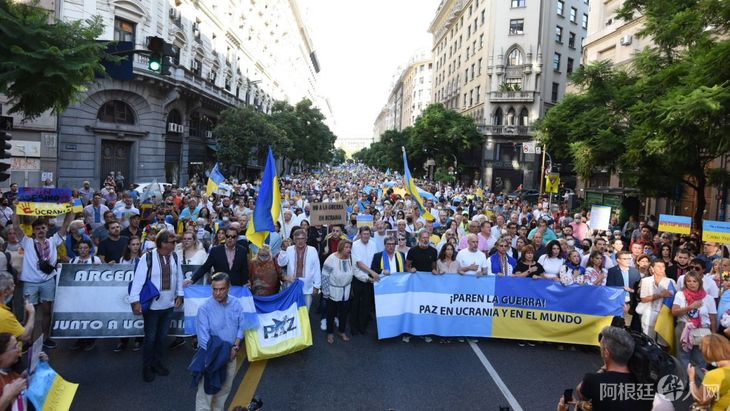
(524, 116)
(498, 117)
(116, 111)
(511, 117)
(194, 126)
(174, 122)
(514, 58)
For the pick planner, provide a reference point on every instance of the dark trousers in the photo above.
(361, 304)
(156, 327)
(322, 308)
(337, 309)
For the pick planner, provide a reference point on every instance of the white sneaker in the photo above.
(323, 325)
(406, 339)
(427, 339)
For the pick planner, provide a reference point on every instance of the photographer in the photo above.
(613, 386)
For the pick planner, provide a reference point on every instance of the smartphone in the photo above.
(567, 396)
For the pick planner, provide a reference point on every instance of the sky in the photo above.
(360, 45)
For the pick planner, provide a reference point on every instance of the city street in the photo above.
(359, 375)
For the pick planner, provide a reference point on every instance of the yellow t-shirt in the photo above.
(8, 322)
(719, 378)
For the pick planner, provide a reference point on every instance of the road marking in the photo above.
(249, 383)
(493, 373)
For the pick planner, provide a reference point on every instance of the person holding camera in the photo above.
(609, 387)
(39, 268)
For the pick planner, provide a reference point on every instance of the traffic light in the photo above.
(5, 138)
(160, 53)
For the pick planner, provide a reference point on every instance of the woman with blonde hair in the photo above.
(715, 386)
(191, 251)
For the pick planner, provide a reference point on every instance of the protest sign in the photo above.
(283, 326)
(675, 224)
(92, 301)
(716, 231)
(497, 307)
(328, 213)
(364, 220)
(47, 202)
(600, 217)
(48, 391)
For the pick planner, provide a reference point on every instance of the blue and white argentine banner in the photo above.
(197, 295)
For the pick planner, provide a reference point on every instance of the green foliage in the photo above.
(664, 120)
(311, 139)
(438, 133)
(244, 133)
(45, 65)
(339, 156)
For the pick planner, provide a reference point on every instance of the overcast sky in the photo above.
(360, 44)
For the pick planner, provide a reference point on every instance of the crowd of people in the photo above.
(472, 232)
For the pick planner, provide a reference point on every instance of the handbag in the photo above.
(149, 291)
(698, 334)
(43, 265)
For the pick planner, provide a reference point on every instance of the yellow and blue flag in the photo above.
(664, 327)
(413, 190)
(283, 325)
(48, 390)
(215, 179)
(268, 205)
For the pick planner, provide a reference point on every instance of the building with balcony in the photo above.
(504, 63)
(153, 126)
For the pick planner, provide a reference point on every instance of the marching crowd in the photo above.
(472, 232)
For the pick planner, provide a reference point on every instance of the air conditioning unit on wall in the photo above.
(626, 40)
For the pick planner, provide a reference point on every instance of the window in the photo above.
(464, 100)
(479, 88)
(554, 94)
(514, 58)
(480, 67)
(517, 26)
(571, 40)
(116, 111)
(471, 97)
(559, 34)
(467, 51)
(472, 72)
(466, 75)
(569, 68)
(584, 21)
(481, 40)
(197, 66)
(124, 30)
(556, 61)
(518, 3)
(482, 17)
(524, 117)
(560, 7)
(573, 14)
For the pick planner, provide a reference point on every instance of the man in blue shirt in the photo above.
(222, 316)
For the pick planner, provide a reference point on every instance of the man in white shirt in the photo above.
(94, 212)
(126, 210)
(379, 236)
(361, 303)
(39, 268)
(471, 260)
(302, 263)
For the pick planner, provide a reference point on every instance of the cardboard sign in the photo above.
(328, 213)
(600, 217)
(716, 231)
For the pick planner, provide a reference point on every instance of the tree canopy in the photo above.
(438, 133)
(46, 65)
(662, 120)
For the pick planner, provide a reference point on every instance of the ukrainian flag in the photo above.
(664, 327)
(215, 179)
(283, 325)
(413, 190)
(268, 205)
(48, 390)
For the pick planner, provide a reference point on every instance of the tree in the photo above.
(244, 133)
(339, 156)
(312, 140)
(443, 135)
(664, 120)
(45, 66)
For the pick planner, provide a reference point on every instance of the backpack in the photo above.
(149, 291)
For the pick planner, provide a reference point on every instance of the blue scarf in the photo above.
(572, 268)
(497, 265)
(69, 242)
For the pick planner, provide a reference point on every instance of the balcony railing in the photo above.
(512, 96)
(491, 130)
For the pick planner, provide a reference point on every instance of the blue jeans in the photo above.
(156, 327)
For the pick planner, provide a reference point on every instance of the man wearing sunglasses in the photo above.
(229, 258)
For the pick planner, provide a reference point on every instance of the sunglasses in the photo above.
(231, 236)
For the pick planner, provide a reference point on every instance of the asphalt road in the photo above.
(363, 374)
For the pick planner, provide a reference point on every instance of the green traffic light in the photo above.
(154, 65)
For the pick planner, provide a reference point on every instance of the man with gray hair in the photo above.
(617, 347)
(8, 322)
